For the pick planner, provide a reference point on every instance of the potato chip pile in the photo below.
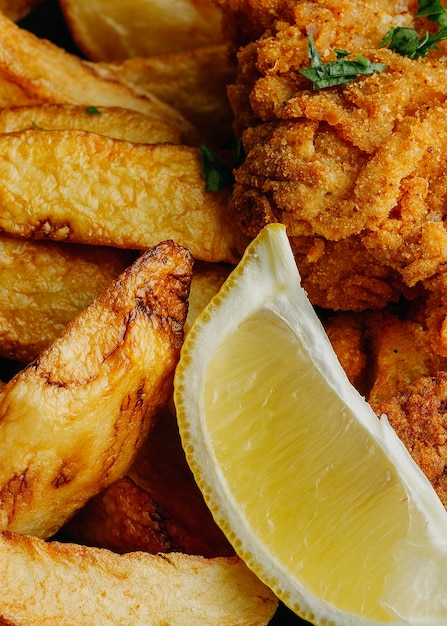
(108, 232)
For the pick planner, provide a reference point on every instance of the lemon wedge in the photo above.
(316, 494)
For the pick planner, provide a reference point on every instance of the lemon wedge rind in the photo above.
(266, 285)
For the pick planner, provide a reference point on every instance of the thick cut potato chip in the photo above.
(35, 71)
(16, 9)
(114, 122)
(72, 421)
(44, 285)
(112, 30)
(87, 188)
(50, 584)
(156, 507)
(208, 278)
(194, 82)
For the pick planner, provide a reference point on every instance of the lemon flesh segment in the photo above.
(316, 494)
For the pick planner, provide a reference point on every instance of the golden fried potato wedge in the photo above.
(111, 30)
(82, 187)
(35, 71)
(50, 584)
(156, 507)
(16, 9)
(194, 82)
(72, 421)
(207, 279)
(44, 285)
(114, 122)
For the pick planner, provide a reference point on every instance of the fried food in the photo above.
(344, 275)
(16, 9)
(44, 285)
(72, 421)
(401, 352)
(107, 30)
(419, 418)
(388, 357)
(81, 187)
(114, 122)
(207, 279)
(35, 71)
(359, 165)
(194, 82)
(347, 334)
(156, 507)
(49, 584)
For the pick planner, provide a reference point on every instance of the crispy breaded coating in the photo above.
(344, 275)
(419, 417)
(346, 332)
(355, 171)
(400, 353)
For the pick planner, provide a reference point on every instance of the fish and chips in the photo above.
(101, 171)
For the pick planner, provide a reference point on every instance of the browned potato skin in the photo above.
(156, 507)
(44, 285)
(50, 584)
(115, 122)
(194, 82)
(86, 188)
(110, 30)
(73, 420)
(35, 71)
(16, 9)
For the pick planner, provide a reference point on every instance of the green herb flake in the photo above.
(91, 110)
(35, 125)
(217, 174)
(406, 41)
(338, 72)
(433, 10)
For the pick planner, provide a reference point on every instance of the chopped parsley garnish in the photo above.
(217, 174)
(91, 110)
(433, 10)
(338, 72)
(406, 41)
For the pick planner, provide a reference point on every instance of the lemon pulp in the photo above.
(340, 519)
(315, 493)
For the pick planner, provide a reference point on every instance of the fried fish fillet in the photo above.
(72, 421)
(388, 357)
(353, 167)
(418, 415)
